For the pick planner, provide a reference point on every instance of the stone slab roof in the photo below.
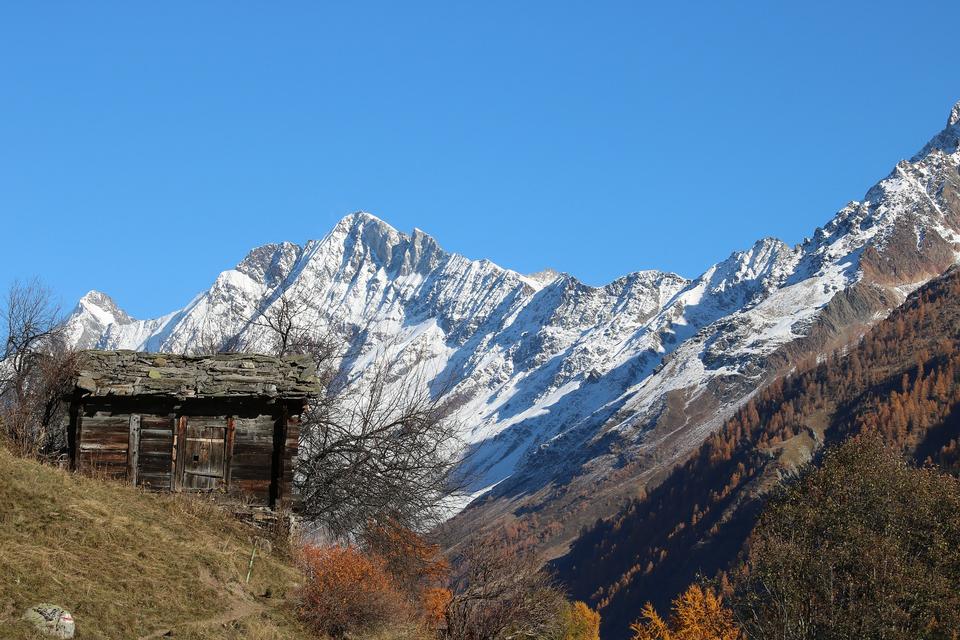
(132, 373)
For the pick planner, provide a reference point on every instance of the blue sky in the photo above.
(144, 147)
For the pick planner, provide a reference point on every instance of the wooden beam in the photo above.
(73, 433)
(133, 449)
(173, 452)
(228, 450)
(179, 440)
(279, 440)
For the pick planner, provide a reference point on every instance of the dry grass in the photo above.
(129, 564)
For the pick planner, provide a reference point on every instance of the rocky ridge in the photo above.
(568, 391)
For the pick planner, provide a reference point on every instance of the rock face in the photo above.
(572, 397)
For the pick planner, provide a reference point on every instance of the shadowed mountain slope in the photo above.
(901, 380)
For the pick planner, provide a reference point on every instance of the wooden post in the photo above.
(133, 449)
(228, 450)
(73, 434)
(179, 441)
(279, 443)
(173, 452)
(291, 449)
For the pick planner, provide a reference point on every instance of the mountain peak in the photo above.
(361, 219)
(98, 298)
(954, 118)
(947, 141)
(544, 276)
(763, 251)
(103, 307)
(269, 263)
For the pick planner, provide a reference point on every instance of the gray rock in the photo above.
(51, 620)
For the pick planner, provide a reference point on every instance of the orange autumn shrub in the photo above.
(418, 569)
(698, 614)
(580, 622)
(435, 603)
(413, 562)
(347, 591)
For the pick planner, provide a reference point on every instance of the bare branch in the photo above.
(36, 368)
(500, 595)
(375, 451)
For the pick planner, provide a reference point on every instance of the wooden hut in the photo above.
(227, 424)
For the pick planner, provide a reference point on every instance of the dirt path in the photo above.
(241, 606)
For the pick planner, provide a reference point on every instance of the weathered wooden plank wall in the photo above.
(104, 444)
(192, 423)
(247, 452)
(253, 457)
(156, 452)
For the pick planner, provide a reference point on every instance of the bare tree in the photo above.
(285, 321)
(36, 369)
(374, 452)
(377, 454)
(218, 335)
(500, 595)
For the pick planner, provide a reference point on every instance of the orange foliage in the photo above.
(435, 603)
(417, 567)
(347, 590)
(581, 622)
(698, 614)
(410, 559)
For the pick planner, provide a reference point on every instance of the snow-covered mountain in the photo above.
(570, 391)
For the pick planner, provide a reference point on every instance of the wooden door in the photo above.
(203, 464)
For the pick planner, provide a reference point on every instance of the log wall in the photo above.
(235, 449)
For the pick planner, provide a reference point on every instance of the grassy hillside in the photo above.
(129, 564)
